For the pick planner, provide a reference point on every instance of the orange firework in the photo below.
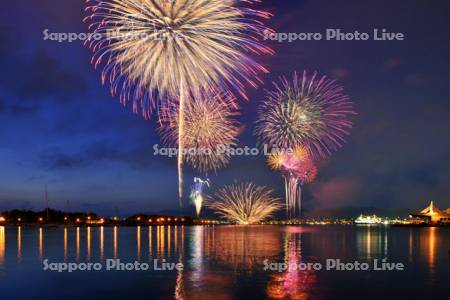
(276, 160)
(209, 127)
(244, 204)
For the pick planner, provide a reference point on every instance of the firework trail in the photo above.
(209, 123)
(175, 49)
(297, 169)
(310, 111)
(244, 204)
(197, 191)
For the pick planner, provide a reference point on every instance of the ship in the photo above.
(362, 219)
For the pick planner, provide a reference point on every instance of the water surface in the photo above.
(225, 262)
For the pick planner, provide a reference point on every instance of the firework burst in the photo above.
(289, 162)
(306, 172)
(175, 49)
(209, 122)
(197, 191)
(244, 203)
(166, 46)
(310, 111)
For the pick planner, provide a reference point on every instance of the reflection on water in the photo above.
(150, 242)
(372, 241)
(410, 246)
(88, 243)
(428, 243)
(41, 242)
(138, 241)
(78, 243)
(168, 241)
(2, 245)
(66, 239)
(219, 258)
(19, 243)
(294, 283)
(160, 240)
(102, 243)
(196, 261)
(243, 247)
(115, 241)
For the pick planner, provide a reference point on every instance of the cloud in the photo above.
(423, 177)
(3, 107)
(40, 75)
(137, 157)
(416, 79)
(55, 160)
(43, 76)
(335, 192)
(17, 108)
(392, 63)
(340, 73)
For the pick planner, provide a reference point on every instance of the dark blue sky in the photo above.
(60, 127)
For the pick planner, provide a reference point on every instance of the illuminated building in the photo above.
(433, 215)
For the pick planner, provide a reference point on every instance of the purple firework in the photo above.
(310, 111)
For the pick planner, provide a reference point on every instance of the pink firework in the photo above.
(306, 172)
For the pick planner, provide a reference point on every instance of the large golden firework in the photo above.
(168, 46)
(244, 203)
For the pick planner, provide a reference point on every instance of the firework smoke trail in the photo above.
(244, 203)
(180, 144)
(305, 173)
(297, 169)
(209, 122)
(177, 49)
(310, 111)
(197, 191)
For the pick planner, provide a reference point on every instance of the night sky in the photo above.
(61, 127)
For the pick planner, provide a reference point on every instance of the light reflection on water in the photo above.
(41, 242)
(78, 243)
(2, 245)
(373, 241)
(102, 243)
(115, 241)
(19, 243)
(224, 262)
(428, 247)
(138, 241)
(292, 284)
